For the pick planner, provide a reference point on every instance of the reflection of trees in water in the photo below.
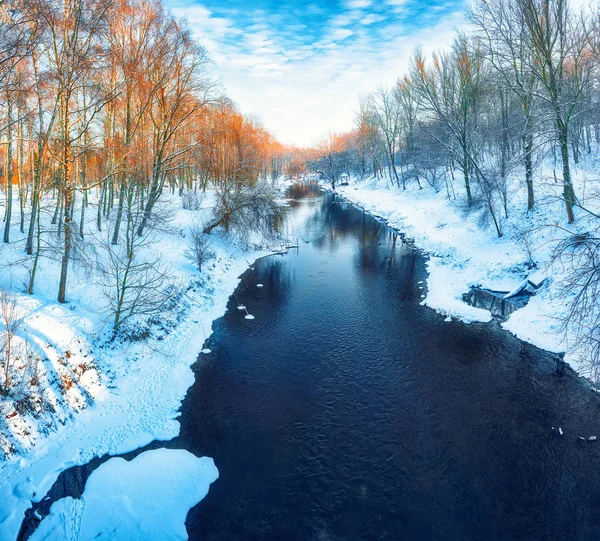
(275, 274)
(380, 248)
(276, 277)
(382, 252)
(297, 195)
(303, 191)
(337, 220)
(341, 220)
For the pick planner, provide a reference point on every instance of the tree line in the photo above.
(521, 84)
(104, 106)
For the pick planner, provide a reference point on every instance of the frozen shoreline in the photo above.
(140, 385)
(462, 255)
(147, 498)
(137, 388)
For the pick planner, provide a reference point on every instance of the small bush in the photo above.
(191, 200)
(200, 251)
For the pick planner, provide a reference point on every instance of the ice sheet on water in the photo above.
(145, 499)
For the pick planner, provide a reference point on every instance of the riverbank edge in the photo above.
(142, 405)
(447, 280)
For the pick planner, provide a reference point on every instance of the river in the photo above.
(346, 410)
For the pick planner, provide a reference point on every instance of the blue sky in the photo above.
(301, 65)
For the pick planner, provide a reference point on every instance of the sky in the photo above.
(300, 66)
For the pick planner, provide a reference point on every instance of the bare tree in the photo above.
(580, 257)
(10, 321)
(369, 137)
(75, 53)
(385, 113)
(243, 209)
(327, 162)
(450, 91)
(559, 44)
(183, 89)
(501, 26)
(200, 249)
(136, 280)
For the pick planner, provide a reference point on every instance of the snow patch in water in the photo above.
(145, 499)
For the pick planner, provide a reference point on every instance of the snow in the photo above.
(537, 278)
(131, 391)
(463, 253)
(516, 290)
(145, 499)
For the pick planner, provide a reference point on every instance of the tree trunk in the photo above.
(9, 174)
(100, 203)
(37, 250)
(68, 202)
(568, 191)
(467, 179)
(22, 184)
(64, 267)
(152, 199)
(528, 144)
(115, 238)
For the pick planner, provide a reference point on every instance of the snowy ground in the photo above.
(464, 253)
(107, 398)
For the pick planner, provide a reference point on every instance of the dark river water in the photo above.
(347, 411)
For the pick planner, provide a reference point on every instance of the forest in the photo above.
(107, 108)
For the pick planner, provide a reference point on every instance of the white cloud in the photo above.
(215, 27)
(371, 18)
(358, 4)
(303, 90)
(340, 34)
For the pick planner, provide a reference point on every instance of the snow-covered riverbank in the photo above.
(130, 391)
(463, 253)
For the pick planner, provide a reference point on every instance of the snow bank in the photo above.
(464, 253)
(132, 391)
(145, 499)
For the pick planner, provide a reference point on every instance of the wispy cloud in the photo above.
(301, 67)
